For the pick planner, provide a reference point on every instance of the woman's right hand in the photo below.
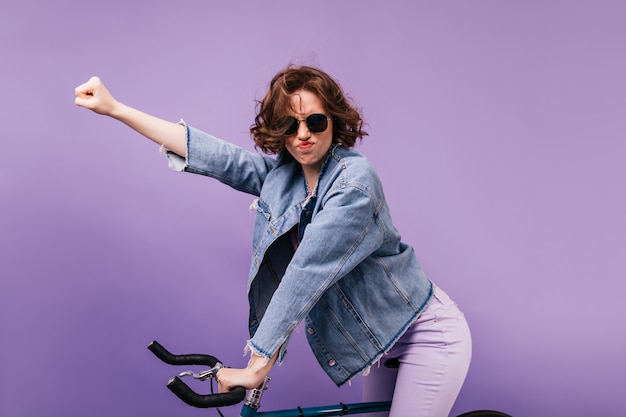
(94, 96)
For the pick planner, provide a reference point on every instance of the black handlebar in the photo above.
(194, 399)
(169, 358)
(182, 390)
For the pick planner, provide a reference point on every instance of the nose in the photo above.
(303, 130)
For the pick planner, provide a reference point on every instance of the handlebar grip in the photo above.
(192, 359)
(194, 399)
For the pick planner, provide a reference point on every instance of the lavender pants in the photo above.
(433, 355)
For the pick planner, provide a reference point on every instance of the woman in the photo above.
(325, 249)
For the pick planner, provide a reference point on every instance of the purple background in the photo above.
(497, 128)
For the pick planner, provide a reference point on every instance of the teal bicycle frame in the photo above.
(331, 410)
(253, 400)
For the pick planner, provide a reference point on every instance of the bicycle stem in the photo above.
(253, 400)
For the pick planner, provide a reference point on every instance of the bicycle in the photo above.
(252, 401)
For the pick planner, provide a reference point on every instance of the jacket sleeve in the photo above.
(232, 165)
(343, 233)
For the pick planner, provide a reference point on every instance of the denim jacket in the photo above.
(351, 279)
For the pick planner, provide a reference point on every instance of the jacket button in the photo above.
(331, 362)
(310, 330)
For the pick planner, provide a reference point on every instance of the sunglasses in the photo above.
(316, 123)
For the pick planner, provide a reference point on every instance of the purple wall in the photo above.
(497, 127)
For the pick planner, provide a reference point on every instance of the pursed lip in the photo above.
(303, 146)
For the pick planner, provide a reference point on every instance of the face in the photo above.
(308, 148)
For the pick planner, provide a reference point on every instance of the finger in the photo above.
(221, 388)
(89, 88)
(84, 91)
(82, 102)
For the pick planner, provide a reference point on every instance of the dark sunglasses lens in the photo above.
(292, 126)
(317, 123)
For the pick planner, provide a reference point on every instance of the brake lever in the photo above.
(204, 375)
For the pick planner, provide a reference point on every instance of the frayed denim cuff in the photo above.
(175, 161)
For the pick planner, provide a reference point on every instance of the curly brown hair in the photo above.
(270, 122)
